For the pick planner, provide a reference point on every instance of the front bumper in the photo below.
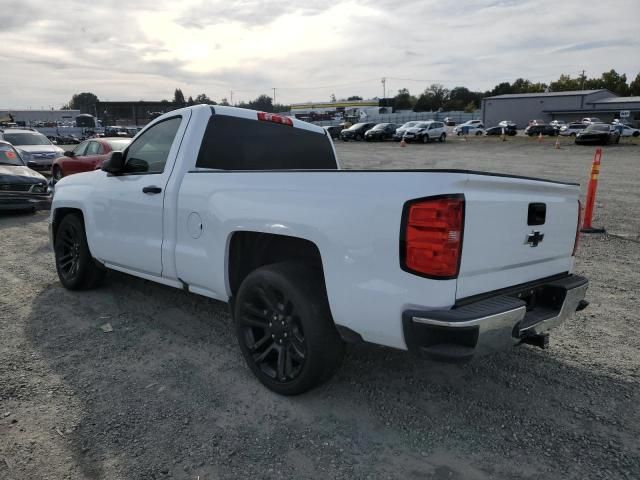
(24, 201)
(495, 323)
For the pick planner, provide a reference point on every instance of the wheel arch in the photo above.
(58, 215)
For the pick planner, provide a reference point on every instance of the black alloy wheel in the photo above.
(76, 268)
(284, 328)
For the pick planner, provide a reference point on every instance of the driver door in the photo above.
(127, 208)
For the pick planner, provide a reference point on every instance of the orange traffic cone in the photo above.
(558, 142)
(540, 137)
(403, 143)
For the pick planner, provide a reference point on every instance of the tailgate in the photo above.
(502, 244)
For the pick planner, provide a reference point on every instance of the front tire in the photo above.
(284, 328)
(426, 139)
(442, 138)
(77, 270)
(57, 174)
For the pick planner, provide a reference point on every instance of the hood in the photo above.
(19, 174)
(413, 130)
(40, 148)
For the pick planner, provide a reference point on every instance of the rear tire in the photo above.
(359, 137)
(284, 328)
(56, 173)
(77, 270)
(426, 139)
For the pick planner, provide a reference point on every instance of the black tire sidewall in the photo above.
(87, 264)
(323, 343)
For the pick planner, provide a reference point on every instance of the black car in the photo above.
(598, 134)
(20, 187)
(381, 132)
(356, 132)
(509, 130)
(333, 130)
(535, 130)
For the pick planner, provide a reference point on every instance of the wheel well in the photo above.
(251, 250)
(59, 214)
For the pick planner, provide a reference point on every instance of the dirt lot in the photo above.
(166, 394)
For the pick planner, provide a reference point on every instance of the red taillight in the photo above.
(578, 227)
(431, 240)
(272, 117)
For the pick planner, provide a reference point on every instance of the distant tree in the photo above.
(566, 83)
(85, 102)
(470, 107)
(190, 100)
(333, 98)
(178, 98)
(224, 102)
(634, 86)
(500, 89)
(263, 103)
(404, 100)
(353, 98)
(461, 97)
(615, 82)
(202, 98)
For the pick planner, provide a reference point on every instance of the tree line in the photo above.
(434, 97)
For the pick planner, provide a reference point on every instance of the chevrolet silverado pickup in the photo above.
(252, 209)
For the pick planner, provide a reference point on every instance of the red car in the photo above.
(87, 156)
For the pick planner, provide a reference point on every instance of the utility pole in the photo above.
(583, 77)
(384, 87)
(231, 97)
(274, 95)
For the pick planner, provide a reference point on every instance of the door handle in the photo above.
(151, 189)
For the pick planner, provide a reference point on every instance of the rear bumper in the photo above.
(495, 323)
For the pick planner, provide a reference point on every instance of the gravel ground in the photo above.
(166, 393)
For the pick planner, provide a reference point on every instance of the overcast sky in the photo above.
(144, 49)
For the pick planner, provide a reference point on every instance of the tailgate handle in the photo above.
(537, 214)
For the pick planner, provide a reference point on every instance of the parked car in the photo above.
(557, 123)
(87, 156)
(469, 128)
(627, 131)
(356, 131)
(426, 132)
(381, 132)
(572, 129)
(21, 188)
(333, 130)
(311, 257)
(498, 130)
(598, 134)
(449, 122)
(400, 131)
(36, 149)
(509, 124)
(590, 120)
(535, 130)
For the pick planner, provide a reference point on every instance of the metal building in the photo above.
(568, 106)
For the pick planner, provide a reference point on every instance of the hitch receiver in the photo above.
(539, 340)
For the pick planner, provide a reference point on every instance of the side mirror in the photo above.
(114, 164)
(69, 153)
(137, 165)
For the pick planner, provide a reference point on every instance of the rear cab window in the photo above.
(234, 143)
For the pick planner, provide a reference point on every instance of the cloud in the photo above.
(306, 50)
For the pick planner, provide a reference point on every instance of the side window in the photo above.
(80, 149)
(148, 154)
(93, 148)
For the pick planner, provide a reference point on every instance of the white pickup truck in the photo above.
(252, 209)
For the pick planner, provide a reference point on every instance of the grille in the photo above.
(15, 187)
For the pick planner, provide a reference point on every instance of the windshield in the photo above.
(118, 145)
(357, 126)
(380, 126)
(26, 138)
(422, 125)
(409, 124)
(9, 156)
(597, 128)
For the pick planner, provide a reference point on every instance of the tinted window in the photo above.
(81, 149)
(232, 143)
(148, 154)
(94, 148)
(27, 138)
